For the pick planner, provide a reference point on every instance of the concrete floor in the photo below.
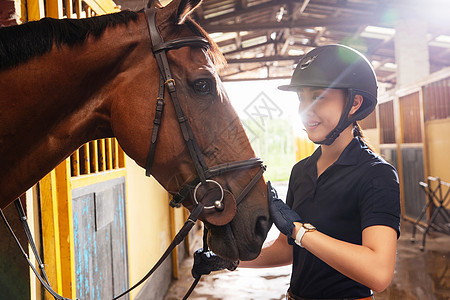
(419, 275)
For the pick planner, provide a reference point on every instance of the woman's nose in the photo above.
(305, 106)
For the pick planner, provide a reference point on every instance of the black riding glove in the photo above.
(206, 262)
(282, 216)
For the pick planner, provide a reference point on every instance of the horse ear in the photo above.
(154, 3)
(185, 8)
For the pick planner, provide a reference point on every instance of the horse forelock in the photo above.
(20, 43)
(214, 52)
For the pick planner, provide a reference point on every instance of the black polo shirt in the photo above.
(357, 191)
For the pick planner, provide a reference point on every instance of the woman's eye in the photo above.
(202, 87)
(315, 98)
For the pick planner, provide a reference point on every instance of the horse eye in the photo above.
(202, 87)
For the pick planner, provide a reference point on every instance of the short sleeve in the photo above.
(290, 194)
(380, 198)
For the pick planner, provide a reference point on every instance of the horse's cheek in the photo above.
(130, 128)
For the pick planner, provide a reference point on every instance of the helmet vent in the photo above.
(307, 62)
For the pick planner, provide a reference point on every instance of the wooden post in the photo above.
(50, 231)
(65, 224)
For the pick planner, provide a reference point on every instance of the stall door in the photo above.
(412, 154)
(101, 258)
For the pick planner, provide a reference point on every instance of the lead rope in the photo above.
(204, 249)
(179, 237)
(44, 281)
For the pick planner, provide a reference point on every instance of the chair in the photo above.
(434, 195)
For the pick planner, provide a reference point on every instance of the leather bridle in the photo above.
(160, 48)
(204, 173)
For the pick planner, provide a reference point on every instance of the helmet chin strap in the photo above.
(343, 123)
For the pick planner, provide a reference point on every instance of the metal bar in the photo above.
(109, 154)
(116, 154)
(93, 149)
(101, 155)
(75, 159)
(54, 9)
(78, 8)
(84, 159)
(69, 8)
(35, 9)
(121, 157)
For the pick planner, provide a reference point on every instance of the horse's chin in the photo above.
(223, 241)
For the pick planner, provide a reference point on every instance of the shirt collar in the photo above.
(350, 155)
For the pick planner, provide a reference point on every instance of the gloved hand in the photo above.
(206, 262)
(282, 216)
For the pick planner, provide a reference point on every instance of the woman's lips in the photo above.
(311, 125)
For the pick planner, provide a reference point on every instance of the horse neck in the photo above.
(54, 103)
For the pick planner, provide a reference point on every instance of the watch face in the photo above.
(309, 226)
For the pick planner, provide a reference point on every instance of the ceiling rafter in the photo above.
(261, 41)
(302, 23)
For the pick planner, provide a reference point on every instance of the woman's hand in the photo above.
(282, 216)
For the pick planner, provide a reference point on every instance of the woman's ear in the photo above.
(357, 102)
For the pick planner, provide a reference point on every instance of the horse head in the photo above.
(217, 133)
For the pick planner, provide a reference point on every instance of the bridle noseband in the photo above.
(204, 174)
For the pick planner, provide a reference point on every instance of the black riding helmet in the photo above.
(338, 67)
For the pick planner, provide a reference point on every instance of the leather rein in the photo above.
(159, 49)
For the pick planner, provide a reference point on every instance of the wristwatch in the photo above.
(306, 227)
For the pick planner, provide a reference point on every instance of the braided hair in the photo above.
(358, 132)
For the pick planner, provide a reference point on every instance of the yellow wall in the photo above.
(303, 146)
(148, 221)
(438, 146)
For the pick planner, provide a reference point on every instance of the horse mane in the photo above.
(20, 43)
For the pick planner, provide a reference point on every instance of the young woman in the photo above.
(342, 217)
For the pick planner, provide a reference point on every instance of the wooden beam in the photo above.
(262, 59)
(301, 23)
(304, 5)
(255, 78)
(101, 7)
(50, 231)
(65, 224)
(350, 8)
(249, 48)
(239, 12)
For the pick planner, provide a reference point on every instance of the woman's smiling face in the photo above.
(320, 110)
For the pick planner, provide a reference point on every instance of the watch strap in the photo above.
(299, 236)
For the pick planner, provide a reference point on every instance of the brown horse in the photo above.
(66, 82)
